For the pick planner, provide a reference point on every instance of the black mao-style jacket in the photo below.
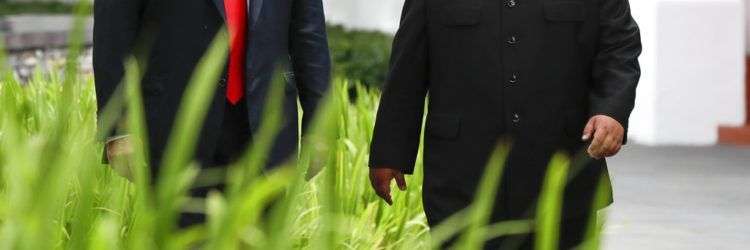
(533, 71)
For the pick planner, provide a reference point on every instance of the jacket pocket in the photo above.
(462, 13)
(443, 126)
(566, 11)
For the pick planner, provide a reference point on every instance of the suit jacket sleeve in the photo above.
(616, 70)
(399, 120)
(310, 57)
(116, 25)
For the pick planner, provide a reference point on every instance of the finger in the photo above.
(382, 186)
(609, 146)
(600, 147)
(373, 180)
(385, 193)
(382, 191)
(596, 147)
(613, 151)
(594, 153)
(401, 181)
(376, 182)
(588, 130)
(617, 139)
(614, 146)
(613, 142)
(617, 149)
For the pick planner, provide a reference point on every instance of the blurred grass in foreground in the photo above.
(57, 195)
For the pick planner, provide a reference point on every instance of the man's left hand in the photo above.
(607, 136)
(119, 152)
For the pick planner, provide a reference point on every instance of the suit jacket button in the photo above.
(223, 82)
(511, 3)
(513, 79)
(516, 118)
(512, 40)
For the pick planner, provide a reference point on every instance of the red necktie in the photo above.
(236, 11)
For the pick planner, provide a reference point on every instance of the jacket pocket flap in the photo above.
(443, 126)
(564, 11)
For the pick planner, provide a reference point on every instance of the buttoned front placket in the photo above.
(513, 39)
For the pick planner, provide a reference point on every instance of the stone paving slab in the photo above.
(680, 198)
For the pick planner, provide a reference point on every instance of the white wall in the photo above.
(693, 70)
(692, 63)
(382, 15)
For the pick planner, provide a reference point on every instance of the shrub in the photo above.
(10, 8)
(361, 56)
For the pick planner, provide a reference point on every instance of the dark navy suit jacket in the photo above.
(286, 37)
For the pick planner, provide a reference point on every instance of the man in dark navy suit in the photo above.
(552, 75)
(265, 35)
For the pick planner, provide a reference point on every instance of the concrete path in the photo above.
(29, 32)
(680, 198)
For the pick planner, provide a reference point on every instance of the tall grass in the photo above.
(56, 194)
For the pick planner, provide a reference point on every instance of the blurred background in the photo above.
(682, 183)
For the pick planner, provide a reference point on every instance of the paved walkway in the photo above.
(680, 198)
(31, 32)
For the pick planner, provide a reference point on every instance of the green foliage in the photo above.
(361, 56)
(74, 202)
(86, 205)
(71, 201)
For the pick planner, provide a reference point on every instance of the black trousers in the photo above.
(234, 139)
(571, 234)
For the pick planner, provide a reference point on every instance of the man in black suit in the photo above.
(265, 35)
(551, 75)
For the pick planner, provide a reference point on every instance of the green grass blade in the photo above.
(602, 196)
(482, 207)
(184, 136)
(550, 204)
(143, 228)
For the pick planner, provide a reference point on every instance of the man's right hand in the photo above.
(119, 152)
(381, 177)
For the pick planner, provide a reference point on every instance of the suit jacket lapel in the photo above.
(256, 6)
(220, 6)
